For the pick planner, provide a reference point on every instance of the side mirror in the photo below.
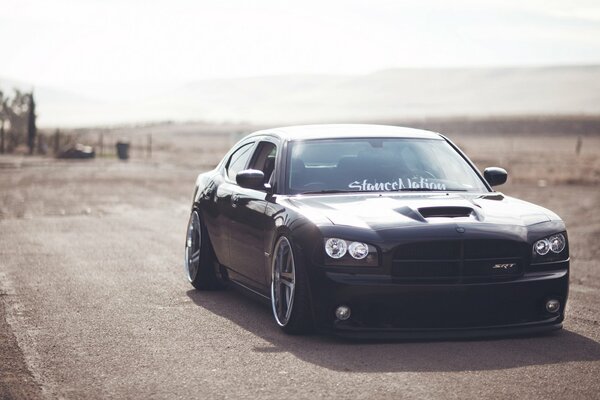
(495, 176)
(251, 179)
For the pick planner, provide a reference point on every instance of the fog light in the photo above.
(552, 306)
(342, 313)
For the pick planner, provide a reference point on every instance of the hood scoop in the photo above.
(440, 213)
(446, 212)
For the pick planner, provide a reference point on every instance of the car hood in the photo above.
(387, 211)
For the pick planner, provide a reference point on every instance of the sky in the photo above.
(87, 46)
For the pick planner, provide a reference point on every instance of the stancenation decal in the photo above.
(408, 183)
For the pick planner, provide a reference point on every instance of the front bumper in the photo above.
(385, 308)
(458, 333)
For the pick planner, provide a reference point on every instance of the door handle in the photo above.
(234, 200)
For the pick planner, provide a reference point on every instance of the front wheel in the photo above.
(199, 256)
(289, 290)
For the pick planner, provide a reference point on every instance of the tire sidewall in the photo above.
(300, 320)
(205, 278)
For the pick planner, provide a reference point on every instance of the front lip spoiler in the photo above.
(526, 329)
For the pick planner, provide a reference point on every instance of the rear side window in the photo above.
(239, 160)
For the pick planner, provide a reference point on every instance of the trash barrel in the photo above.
(123, 150)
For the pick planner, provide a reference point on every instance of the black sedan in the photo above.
(376, 231)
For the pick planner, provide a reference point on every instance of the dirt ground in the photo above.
(94, 302)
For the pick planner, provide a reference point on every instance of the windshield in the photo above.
(387, 164)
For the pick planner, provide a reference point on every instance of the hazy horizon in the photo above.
(389, 94)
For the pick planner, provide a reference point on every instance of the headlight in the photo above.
(358, 250)
(557, 243)
(336, 248)
(344, 253)
(550, 249)
(542, 247)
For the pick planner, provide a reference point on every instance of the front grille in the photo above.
(459, 259)
(492, 248)
(438, 268)
(428, 251)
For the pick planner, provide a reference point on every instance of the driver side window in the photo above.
(238, 160)
(264, 159)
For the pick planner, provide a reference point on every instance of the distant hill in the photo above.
(385, 95)
(401, 93)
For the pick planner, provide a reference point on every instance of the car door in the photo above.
(249, 222)
(219, 225)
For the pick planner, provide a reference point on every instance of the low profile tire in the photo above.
(200, 259)
(290, 300)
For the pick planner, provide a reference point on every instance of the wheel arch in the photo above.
(197, 208)
(300, 236)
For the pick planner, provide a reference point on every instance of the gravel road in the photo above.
(95, 304)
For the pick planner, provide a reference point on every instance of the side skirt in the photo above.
(250, 292)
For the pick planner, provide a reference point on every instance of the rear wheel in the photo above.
(289, 290)
(200, 260)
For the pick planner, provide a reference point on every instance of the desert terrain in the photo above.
(94, 302)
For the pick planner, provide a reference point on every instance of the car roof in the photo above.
(334, 131)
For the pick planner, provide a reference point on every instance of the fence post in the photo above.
(56, 141)
(2, 137)
(149, 146)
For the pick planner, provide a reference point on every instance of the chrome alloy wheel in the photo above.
(193, 244)
(283, 281)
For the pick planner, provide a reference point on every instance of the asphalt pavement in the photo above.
(96, 305)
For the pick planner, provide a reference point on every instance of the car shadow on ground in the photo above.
(398, 356)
